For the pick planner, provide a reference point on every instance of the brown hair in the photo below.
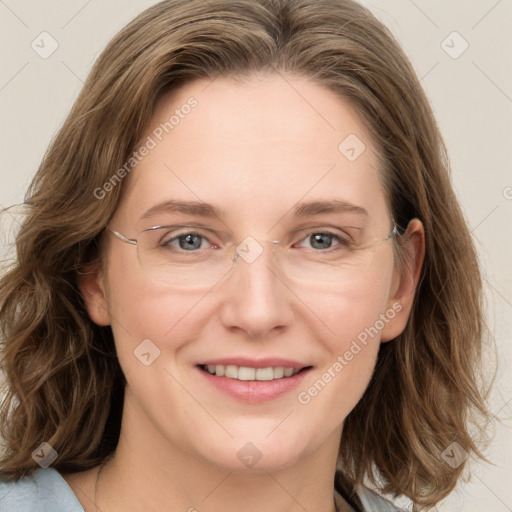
(63, 382)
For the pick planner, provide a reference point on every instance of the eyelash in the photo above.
(343, 243)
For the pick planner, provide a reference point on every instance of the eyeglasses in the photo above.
(191, 256)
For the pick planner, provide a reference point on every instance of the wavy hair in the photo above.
(62, 380)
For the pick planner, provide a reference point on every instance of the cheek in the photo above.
(141, 310)
(355, 316)
(356, 307)
(333, 391)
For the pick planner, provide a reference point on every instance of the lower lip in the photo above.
(254, 391)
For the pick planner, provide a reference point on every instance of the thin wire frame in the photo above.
(133, 241)
(201, 275)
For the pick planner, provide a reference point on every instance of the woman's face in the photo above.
(257, 151)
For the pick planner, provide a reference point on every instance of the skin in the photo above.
(253, 148)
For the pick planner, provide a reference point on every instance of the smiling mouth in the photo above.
(245, 373)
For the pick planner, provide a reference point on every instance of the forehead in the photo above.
(255, 145)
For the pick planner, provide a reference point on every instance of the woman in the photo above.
(244, 278)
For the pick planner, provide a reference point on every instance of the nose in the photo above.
(255, 299)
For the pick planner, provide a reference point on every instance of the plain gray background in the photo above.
(470, 90)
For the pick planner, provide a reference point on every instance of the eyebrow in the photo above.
(333, 206)
(201, 209)
(186, 207)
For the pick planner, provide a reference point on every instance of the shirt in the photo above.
(45, 490)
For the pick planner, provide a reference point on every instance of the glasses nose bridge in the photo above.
(251, 250)
(258, 267)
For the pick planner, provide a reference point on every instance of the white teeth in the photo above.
(264, 374)
(246, 373)
(278, 372)
(231, 371)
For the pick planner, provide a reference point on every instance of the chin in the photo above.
(255, 453)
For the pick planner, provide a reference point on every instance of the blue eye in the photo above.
(186, 241)
(324, 240)
(321, 240)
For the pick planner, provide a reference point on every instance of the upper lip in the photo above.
(265, 362)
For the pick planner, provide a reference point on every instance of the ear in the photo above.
(405, 279)
(92, 287)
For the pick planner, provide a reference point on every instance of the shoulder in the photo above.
(372, 502)
(44, 490)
